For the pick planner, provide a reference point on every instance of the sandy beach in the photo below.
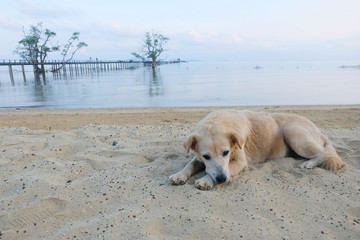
(103, 174)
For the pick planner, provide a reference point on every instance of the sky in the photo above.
(204, 30)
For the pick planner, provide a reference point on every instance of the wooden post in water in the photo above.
(55, 66)
(23, 72)
(64, 69)
(11, 74)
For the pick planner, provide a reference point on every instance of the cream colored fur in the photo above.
(226, 142)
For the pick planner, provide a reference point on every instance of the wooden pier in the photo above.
(78, 66)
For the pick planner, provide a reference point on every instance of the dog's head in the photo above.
(215, 149)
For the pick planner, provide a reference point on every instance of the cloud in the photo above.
(9, 24)
(213, 38)
(117, 29)
(46, 10)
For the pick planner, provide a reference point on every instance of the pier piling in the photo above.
(23, 72)
(11, 74)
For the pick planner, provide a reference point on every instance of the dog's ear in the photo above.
(235, 139)
(191, 142)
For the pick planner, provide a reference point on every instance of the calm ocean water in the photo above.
(189, 84)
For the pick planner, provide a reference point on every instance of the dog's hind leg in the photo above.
(328, 159)
(191, 168)
(308, 142)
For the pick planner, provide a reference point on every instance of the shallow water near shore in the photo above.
(188, 84)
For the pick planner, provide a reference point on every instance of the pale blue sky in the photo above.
(224, 30)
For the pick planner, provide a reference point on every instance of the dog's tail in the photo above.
(331, 160)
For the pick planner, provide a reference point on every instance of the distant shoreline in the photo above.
(344, 66)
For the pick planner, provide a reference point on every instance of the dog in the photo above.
(226, 142)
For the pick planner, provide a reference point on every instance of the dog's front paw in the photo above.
(204, 183)
(307, 165)
(178, 178)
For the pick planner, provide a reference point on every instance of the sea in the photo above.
(187, 84)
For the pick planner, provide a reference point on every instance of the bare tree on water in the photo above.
(70, 46)
(152, 48)
(36, 45)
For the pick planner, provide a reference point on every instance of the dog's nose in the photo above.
(221, 178)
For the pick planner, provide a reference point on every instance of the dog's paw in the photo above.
(178, 179)
(307, 165)
(205, 183)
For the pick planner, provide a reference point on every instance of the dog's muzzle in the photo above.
(220, 178)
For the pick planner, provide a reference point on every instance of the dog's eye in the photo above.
(207, 157)
(225, 153)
